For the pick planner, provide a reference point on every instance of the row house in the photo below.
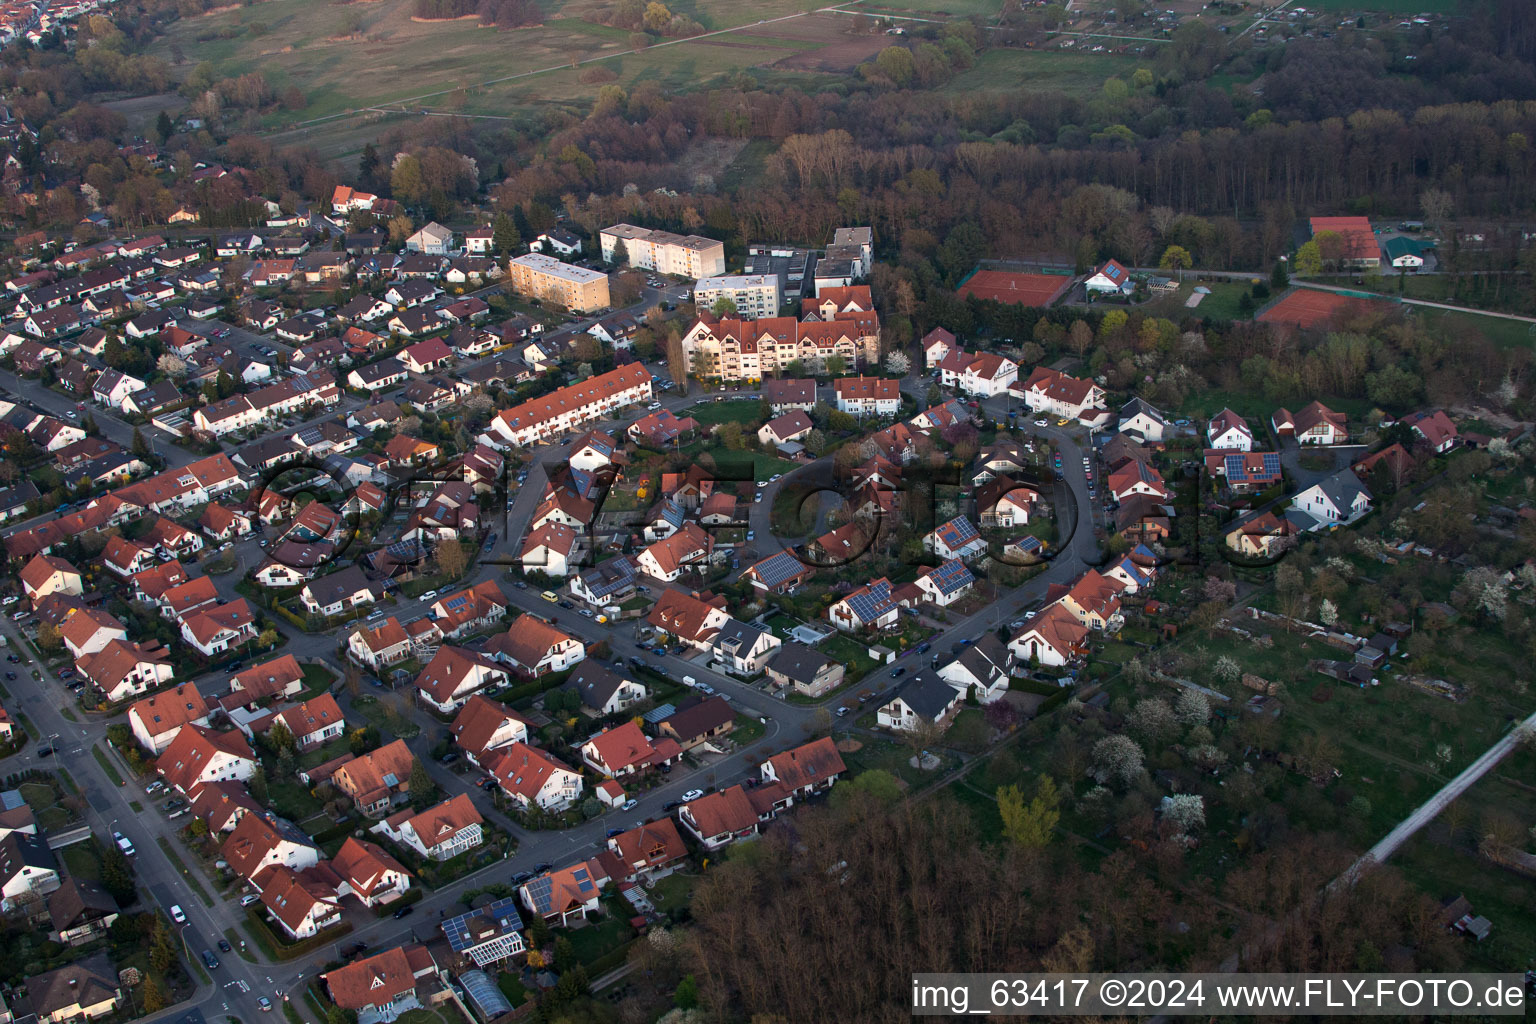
(550, 415)
(750, 350)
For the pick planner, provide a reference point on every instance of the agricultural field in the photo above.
(1044, 70)
(348, 58)
(934, 8)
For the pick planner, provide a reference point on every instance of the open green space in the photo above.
(737, 410)
(1405, 7)
(1042, 70)
(958, 8)
(1501, 332)
(346, 58)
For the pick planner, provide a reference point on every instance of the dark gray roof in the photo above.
(1341, 489)
(594, 683)
(798, 662)
(19, 850)
(1137, 405)
(927, 694)
(82, 983)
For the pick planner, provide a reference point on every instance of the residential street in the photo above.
(237, 984)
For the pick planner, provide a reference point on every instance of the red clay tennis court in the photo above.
(1022, 289)
(1308, 307)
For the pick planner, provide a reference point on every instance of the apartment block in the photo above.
(756, 295)
(664, 252)
(547, 279)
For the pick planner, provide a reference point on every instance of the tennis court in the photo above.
(1018, 289)
(1308, 307)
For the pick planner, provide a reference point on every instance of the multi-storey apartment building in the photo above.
(664, 252)
(545, 278)
(750, 350)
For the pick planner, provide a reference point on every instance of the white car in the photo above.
(1042, 423)
(692, 795)
(177, 914)
(654, 406)
(756, 498)
(430, 595)
(587, 612)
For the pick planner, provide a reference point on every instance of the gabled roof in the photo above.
(449, 668)
(798, 663)
(313, 715)
(594, 683)
(622, 746)
(928, 695)
(363, 864)
(255, 838)
(440, 822)
(480, 719)
(192, 750)
(809, 764)
(372, 981)
(170, 709)
(523, 770)
(697, 718)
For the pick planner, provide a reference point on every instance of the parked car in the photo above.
(177, 914)
(225, 947)
(405, 911)
(630, 805)
(265, 1004)
(692, 795)
(521, 877)
(249, 899)
(430, 595)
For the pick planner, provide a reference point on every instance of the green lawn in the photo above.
(958, 8)
(737, 410)
(1035, 70)
(599, 937)
(1501, 332)
(83, 861)
(292, 800)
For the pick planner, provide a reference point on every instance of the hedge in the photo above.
(282, 950)
(415, 894)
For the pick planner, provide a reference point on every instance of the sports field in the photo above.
(1017, 289)
(1308, 307)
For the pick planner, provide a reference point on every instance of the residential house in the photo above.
(261, 842)
(1333, 501)
(87, 989)
(728, 815)
(871, 607)
(377, 780)
(1264, 536)
(982, 668)
(532, 778)
(217, 628)
(382, 987)
(369, 873)
(985, 374)
(123, 669)
(548, 549)
(1143, 421)
(1133, 478)
(339, 592)
(453, 674)
(1435, 427)
(1002, 503)
(625, 750)
(564, 893)
(198, 755)
(304, 904)
(1052, 392)
(806, 770)
(791, 426)
(924, 701)
(1244, 471)
(157, 719)
(433, 239)
(810, 672)
(956, 539)
(786, 394)
(28, 870)
(46, 574)
(602, 690)
(80, 912)
(469, 610)
(699, 722)
(867, 396)
(569, 407)
(484, 727)
(780, 573)
(314, 722)
(534, 647)
(1314, 424)
(440, 832)
(648, 851)
(661, 428)
(282, 676)
(1228, 430)
(945, 584)
(88, 630)
(688, 548)
(1052, 637)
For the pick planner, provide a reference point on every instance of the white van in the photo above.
(690, 681)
